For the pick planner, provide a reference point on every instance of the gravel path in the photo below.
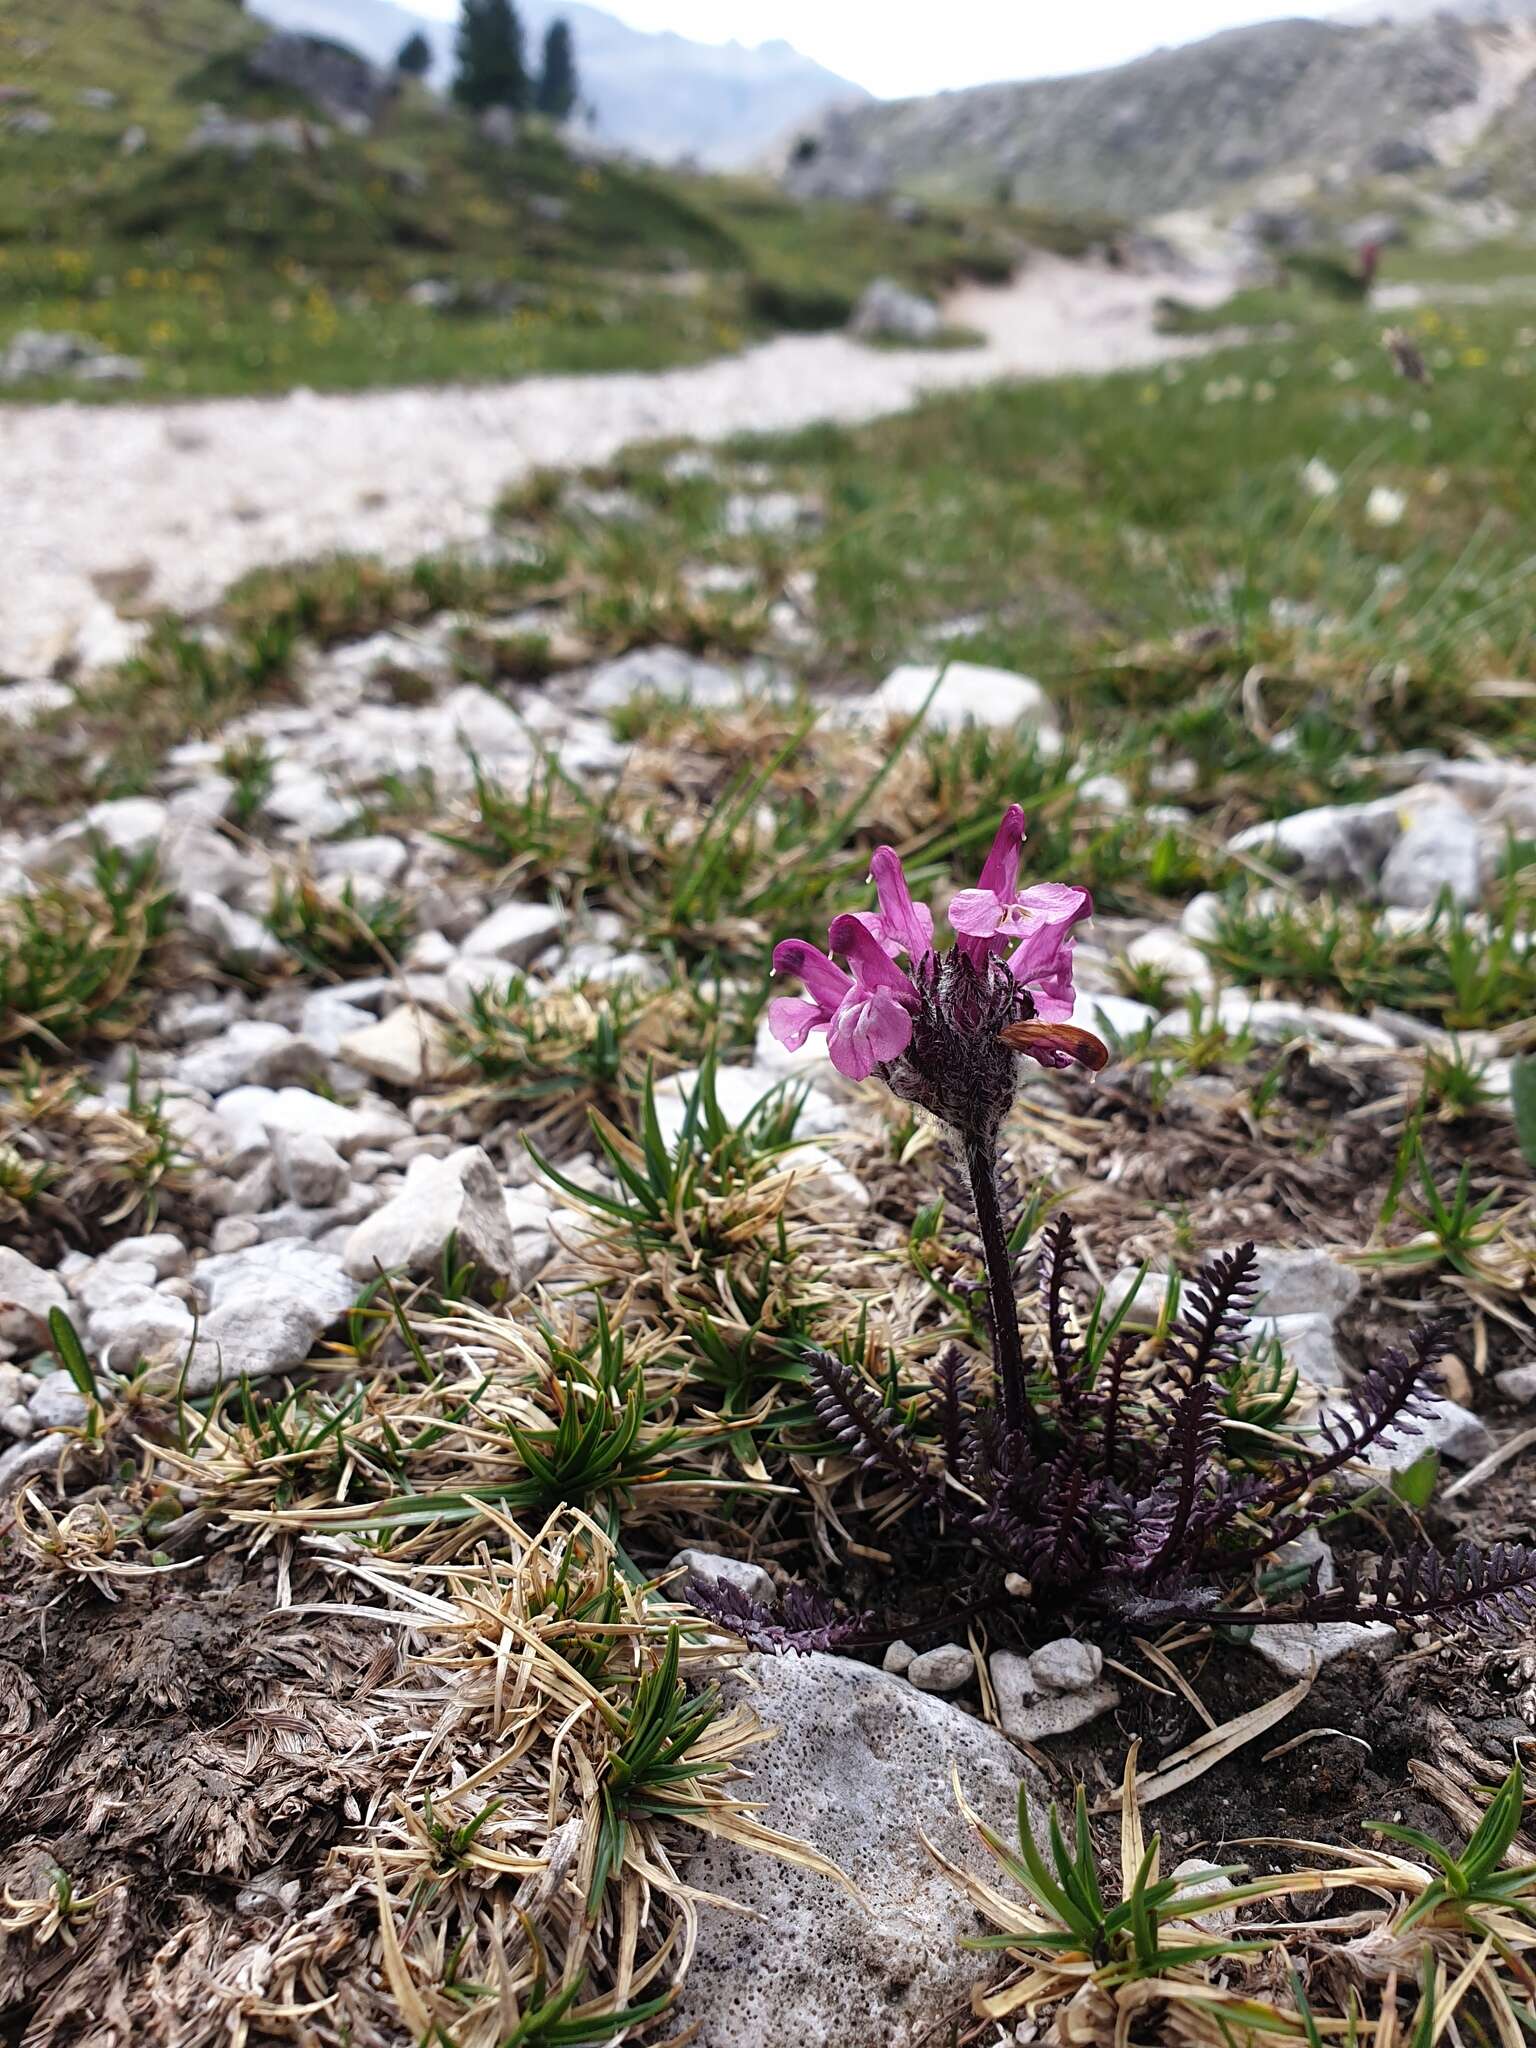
(186, 497)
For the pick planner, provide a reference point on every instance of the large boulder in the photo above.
(337, 79)
(861, 1769)
(887, 311)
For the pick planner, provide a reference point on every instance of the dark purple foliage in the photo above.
(1121, 1494)
(807, 1619)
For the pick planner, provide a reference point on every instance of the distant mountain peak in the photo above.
(656, 93)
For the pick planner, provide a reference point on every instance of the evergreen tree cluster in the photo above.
(491, 66)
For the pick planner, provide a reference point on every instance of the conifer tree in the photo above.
(414, 57)
(557, 76)
(488, 53)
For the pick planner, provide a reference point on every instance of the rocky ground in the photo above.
(416, 1005)
(168, 504)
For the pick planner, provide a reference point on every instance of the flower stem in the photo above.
(1007, 1345)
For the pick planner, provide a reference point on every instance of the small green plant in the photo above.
(563, 1051)
(75, 963)
(704, 1186)
(338, 934)
(1451, 968)
(72, 1356)
(1455, 1083)
(1474, 1885)
(544, 829)
(73, 1167)
(1126, 1941)
(656, 1763)
(1522, 1090)
(1145, 981)
(249, 767)
(1471, 1237)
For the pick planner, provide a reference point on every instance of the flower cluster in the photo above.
(944, 1029)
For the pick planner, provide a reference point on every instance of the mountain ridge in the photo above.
(1187, 126)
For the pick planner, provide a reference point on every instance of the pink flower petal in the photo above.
(867, 1029)
(1056, 902)
(1000, 870)
(872, 965)
(1043, 965)
(905, 926)
(792, 1019)
(824, 979)
(975, 913)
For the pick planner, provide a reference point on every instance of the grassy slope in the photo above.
(228, 276)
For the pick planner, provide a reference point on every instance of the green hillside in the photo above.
(226, 272)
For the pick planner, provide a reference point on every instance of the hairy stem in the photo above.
(1007, 1346)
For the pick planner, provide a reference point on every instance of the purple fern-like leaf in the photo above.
(807, 1620)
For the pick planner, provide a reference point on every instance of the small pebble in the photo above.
(942, 1670)
(1066, 1665)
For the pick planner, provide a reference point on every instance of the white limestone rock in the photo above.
(746, 1578)
(1301, 1281)
(969, 694)
(1066, 1665)
(1441, 849)
(1307, 1343)
(942, 1670)
(268, 1306)
(1176, 960)
(310, 1171)
(27, 1294)
(1295, 1650)
(162, 1250)
(459, 1197)
(409, 1049)
(249, 1053)
(860, 1768)
(236, 937)
(666, 672)
(57, 1403)
(1339, 844)
(514, 933)
(1031, 1714)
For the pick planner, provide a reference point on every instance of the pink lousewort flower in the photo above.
(945, 1030)
(1033, 926)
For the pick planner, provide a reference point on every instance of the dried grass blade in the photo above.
(1212, 1748)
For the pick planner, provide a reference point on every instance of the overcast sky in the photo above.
(898, 46)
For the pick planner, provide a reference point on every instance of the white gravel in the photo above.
(187, 497)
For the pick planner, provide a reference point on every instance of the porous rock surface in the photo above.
(860, 1769)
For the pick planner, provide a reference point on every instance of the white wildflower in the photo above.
(1384, 506)
(1319, 480)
